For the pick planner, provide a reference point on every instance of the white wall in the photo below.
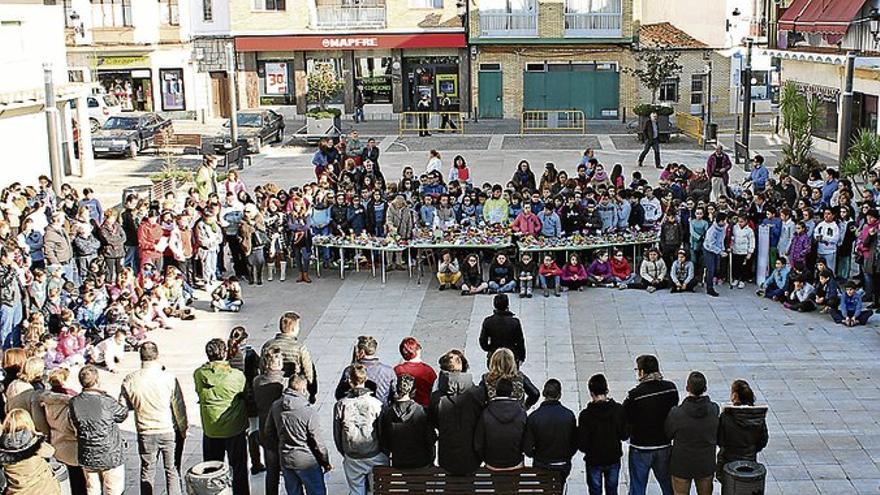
(220, 24)
(174, 58)
(702, 19)
(25, 153)
(38, 38)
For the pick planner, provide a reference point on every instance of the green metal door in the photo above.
(596, 93)
(490, 100)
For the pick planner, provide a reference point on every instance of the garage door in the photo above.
(592, 88)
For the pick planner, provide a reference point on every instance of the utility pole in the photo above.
(846, 103)
(233, 100)
(747, 103)
(708, 103)
(52, 129)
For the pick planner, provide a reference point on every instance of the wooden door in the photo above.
(220, 95)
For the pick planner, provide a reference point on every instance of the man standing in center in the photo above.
(502, 329)
(297, 358)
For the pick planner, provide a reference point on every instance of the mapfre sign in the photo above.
(350, 43)
(355, 42)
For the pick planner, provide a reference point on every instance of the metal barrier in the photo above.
(411, 122)
(549, 121)
(691, 126)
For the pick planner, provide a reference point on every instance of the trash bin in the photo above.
(143, 191)
(712, 133)
(209, 478)
(744, 478)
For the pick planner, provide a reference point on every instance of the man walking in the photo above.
(646, 407)
(651, 135)
(220, 389)
(446, 117)
(160, 418)
(551, 432)
(356, 431)
(693, 428)
(502, 329)
(294, 427)
(96, 417)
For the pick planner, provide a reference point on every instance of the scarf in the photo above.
(650, 377)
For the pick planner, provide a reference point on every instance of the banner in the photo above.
(276, 78)
(763, 261)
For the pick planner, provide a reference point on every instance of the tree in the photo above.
(800, 115)
(864, 153)
(655, 65)
(323, 84)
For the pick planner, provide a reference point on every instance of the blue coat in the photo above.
(851, 306)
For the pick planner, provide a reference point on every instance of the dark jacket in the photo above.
(407, 437)
(472, 277)
(454, 412)
(500, 431)
(523, 390)
(601, 428)
(96, 417)
(296, 425)
(742, 433)
(551, 433)
(267, 389)
(10, 286)
(693, 428)
(502, 329)
(112, 240)
(646, 407)
(648, 130)
(381, 380)
(499, 272)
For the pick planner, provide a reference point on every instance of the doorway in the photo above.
(220, 95)
(490, 94)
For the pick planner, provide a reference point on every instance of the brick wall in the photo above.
(692, 62)
(551, 19)
(213, 50)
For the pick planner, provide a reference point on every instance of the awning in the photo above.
(349, 42)
(820, 16)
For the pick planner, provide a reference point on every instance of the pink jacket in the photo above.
(528, 224)
(569, 271)
(69, 344)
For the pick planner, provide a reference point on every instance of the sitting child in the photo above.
(52, 359)
(827, 292)
(448, 273)
(800, 296)
(502, 276)
(682, 273)
(574, 275)
(549, 275)
(621, 271)
(109, 352)
(851, 311)
(773, 286)
(526, 274)
(472, 277)
(652, 272)
(599, 273)
(72, 342)
(227, 296)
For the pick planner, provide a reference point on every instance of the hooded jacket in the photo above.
(381, 380)
(295, 425)
(267, 388)
(620, 269)
(221, 392)
(356, 426)
(407, 436)
(502, 329)
(24, 457)
(57, 427)
(500, 431)
(551, 433)
(454, 412)
(96, 417)
(742, 433)
(693, 428)
(601, 428)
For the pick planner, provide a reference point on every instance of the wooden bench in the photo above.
(390, 481)
(236, 157)
(170, 142)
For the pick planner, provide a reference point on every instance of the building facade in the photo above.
(552, 55)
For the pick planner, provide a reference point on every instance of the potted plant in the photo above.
(170, 178)
(323, 85)
(863, 155)
(654, 66)
(800, 115)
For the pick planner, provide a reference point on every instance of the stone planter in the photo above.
(162, 187)
(318, 128)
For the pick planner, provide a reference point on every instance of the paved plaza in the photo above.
(820, 380)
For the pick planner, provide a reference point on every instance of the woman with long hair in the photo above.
(244, 358)
(502, 364)
(742, 427)
(24, 455)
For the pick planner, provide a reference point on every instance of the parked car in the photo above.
(101, 107)
(128, 134)
(255, 128)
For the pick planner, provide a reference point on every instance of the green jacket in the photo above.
(220, 388)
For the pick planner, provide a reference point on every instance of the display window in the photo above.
(173, 97)
(373, 78)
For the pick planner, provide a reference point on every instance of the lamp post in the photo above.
(233, 102)
(747, 104)
(707, 132)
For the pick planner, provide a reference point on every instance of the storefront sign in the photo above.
(353, 42)
(276, 78)
(105, 62)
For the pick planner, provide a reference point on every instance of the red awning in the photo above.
(820, 16)
(349, 42)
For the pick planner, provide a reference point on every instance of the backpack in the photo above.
(358, 425)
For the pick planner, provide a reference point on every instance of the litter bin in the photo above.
(143, 191)
(209, 478)
(744, 478)
(712, 133)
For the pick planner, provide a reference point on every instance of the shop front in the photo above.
(388, 73)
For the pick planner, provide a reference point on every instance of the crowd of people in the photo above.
(81, 284)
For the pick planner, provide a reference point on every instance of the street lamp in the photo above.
(874, 23)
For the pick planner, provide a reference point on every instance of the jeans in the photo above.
(595, 475)
(10, 325)
(649, 144)
(302, 256)
(357, 472)
(642, 462)
(712, 265)
(359, 114)
(69, 271)
(312, 479)
(273, 471)
(508, 287)
(256, 263)
(548, 282)
(625, 281)
(235, 448)
(106, 482)
(868, 283)
(150, 448)
(209, 265)
(131, 259)
(772, 291)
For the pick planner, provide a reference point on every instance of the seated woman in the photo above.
(774, 285)
(599, 272)
(448, 273)
(621, 271)
(574, 275)
(682, 273)
(549, 275)
(472, 277)
(800, 296)
(851, 311)
(502, 364)
(502, 276)
(652, 271)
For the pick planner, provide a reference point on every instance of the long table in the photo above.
(526, 247)
(324, 242)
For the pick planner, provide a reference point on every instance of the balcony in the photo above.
(508, 24)
(364, 15)
(593, 18)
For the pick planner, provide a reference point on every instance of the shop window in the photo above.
(169, 13)
(668, 90)
(426, 4)
(111, 13)
(276, 82)
(827, 128)
(269, 5)
(697, 89)
(373, 75)
(336, 64)
(208, 10)
(172, 89)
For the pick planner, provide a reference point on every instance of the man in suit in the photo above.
(651, 133)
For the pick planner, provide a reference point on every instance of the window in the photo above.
(374, 76)
(697, 89)
(669, 90)
(761, 88)
(276, 82)
(536, 67)
(172, 89)
(68, 11)
(426, 4)
(827, 128)
(12, 41)
(111, 13)
(168, 12)
(208, 10)
(490, 67)
(268, 4)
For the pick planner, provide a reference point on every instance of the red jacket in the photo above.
(527, 223)
(569, 271)
(549, 271)
(620, 269)
(148, 235)
(424, 375)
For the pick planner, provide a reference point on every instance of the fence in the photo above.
(550, 121)
(431, 122)
(690, 126)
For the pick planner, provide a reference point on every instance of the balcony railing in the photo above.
(503, 24)
(371, 16)
(592, 24)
